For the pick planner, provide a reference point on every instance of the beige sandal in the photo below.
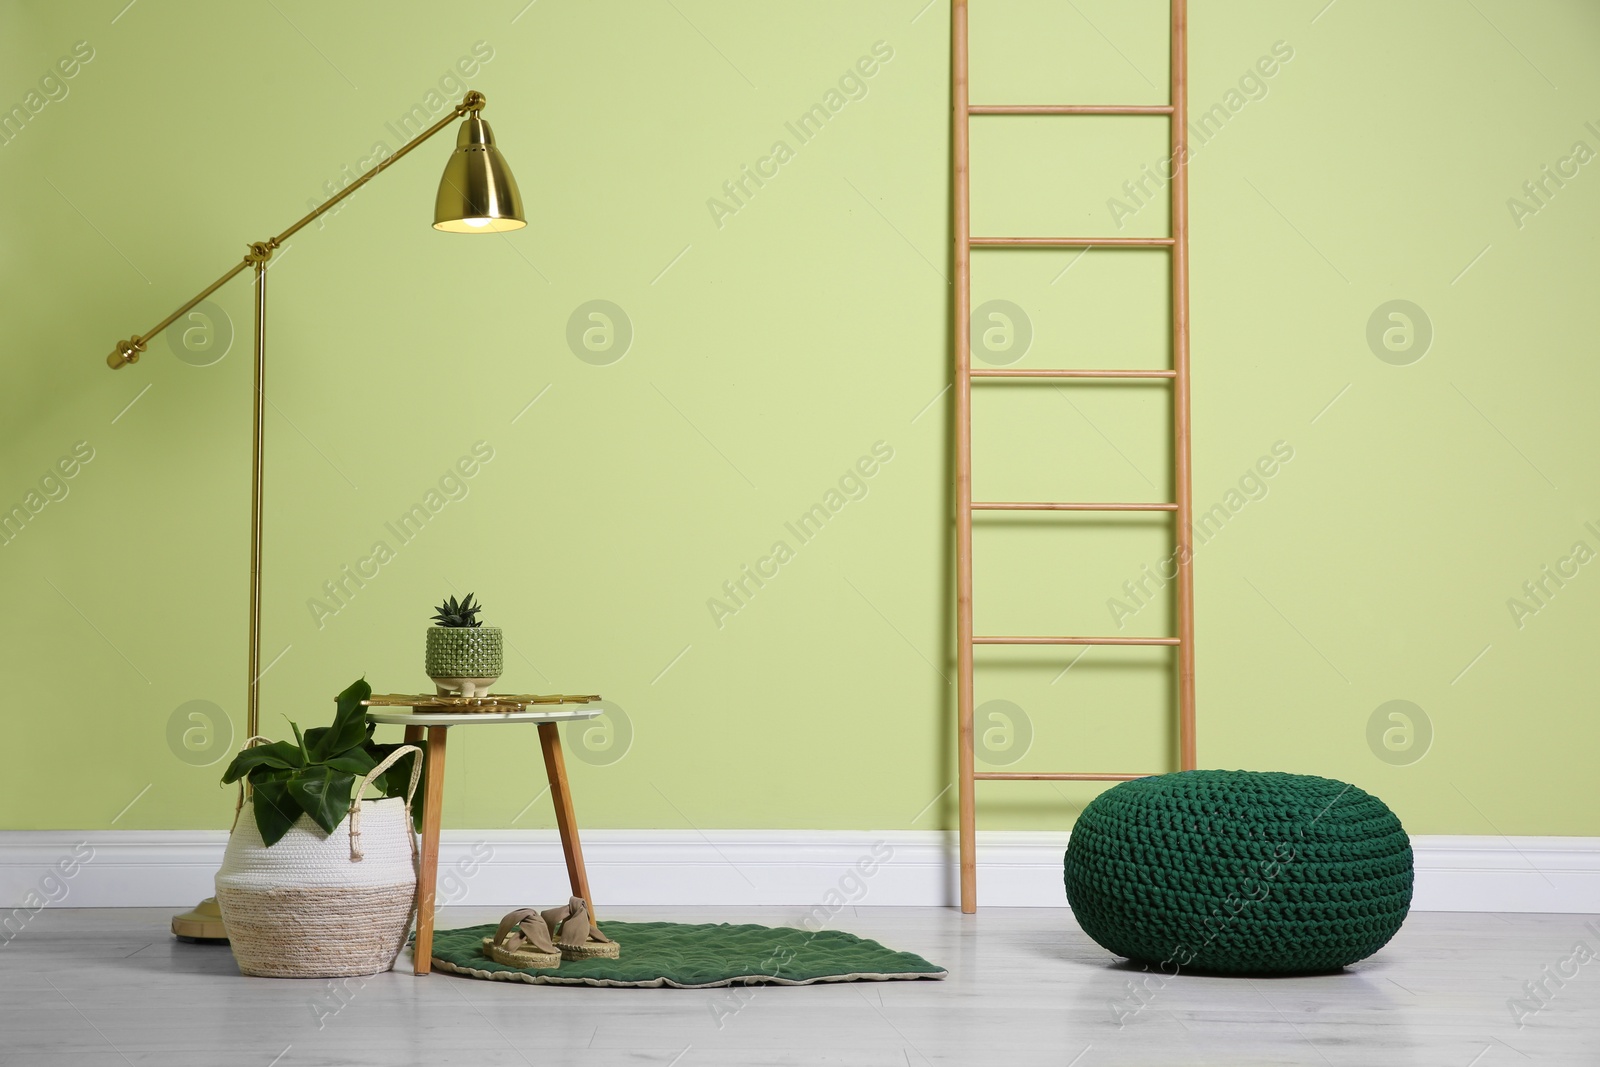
(579, 938)
(523, 940)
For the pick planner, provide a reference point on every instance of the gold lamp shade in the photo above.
(477, 193)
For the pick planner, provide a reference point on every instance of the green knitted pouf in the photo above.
(1239, 872)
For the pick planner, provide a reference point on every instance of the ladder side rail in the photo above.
(961, 232)
(1183, 520)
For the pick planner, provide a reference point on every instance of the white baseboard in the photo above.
(803, 869)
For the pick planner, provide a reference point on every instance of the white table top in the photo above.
(554, 713)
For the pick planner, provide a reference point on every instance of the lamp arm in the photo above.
(128, 351)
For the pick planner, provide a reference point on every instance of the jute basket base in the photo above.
(526, 959)
(329, 932)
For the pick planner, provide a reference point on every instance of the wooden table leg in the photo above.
(428, 875)
(566, 821)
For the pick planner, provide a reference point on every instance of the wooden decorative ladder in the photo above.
(1177, 245)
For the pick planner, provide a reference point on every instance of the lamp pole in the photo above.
(252, 715)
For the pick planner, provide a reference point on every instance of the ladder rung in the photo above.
(1076, 641)
(1070, 242)
(981, 373)
(1041, 776)
(1069, 109)
(1052, 505)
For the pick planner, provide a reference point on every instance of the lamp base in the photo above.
(203, 925)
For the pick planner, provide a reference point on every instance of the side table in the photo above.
(432, 714)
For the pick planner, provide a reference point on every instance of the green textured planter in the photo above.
(471, 653)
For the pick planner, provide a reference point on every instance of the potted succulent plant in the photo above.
(464, 656)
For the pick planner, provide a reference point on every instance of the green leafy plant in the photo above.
(316, 773)
(463, 614)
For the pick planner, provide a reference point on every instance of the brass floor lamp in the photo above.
(477, 194)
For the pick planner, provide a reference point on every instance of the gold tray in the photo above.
(493, 703)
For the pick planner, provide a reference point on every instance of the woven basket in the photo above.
(323, 906)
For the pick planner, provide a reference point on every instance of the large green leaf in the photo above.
(275, 811)
(349, 727)
(357, 762)
(280, 755)
(323, 793)
(315, 742)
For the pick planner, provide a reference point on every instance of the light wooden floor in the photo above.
(89, 988)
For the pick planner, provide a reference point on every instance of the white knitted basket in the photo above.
(323, 906)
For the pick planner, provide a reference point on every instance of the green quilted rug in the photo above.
(697, 956)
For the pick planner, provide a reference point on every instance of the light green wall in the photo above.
(770, 352)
